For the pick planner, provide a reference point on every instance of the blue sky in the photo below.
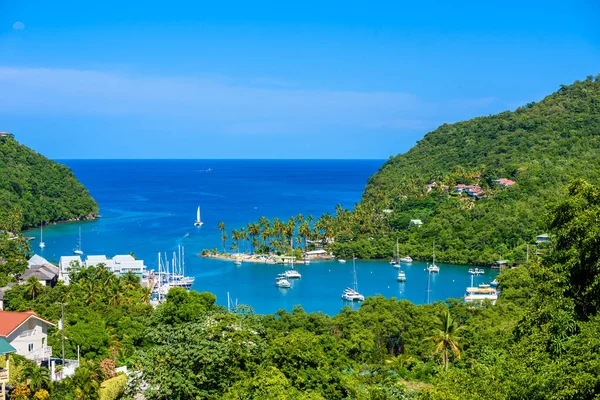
(192, 79)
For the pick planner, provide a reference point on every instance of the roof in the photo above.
(502, 262)
(4, 289)
(416, 221)
(123, 258)
(314, 252)
(10, 321)
(544, 235)
(41, 272)
(37, 260)
(95, 258)
(5, 347)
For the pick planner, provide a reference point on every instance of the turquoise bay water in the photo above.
(148, 206)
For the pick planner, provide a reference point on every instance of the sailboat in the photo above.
(351, 294)
(198, 220)
(78, 251)
(433, 267)
(394, 261)
(292, 273)
(42, 244)
(342, 260)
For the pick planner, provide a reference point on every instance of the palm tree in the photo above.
(37, 378)
(221, 226)
(446, 338)
(33, 286)
(224, 241)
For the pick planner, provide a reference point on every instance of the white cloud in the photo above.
(225, 106)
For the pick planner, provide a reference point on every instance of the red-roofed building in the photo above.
(27, 333)
(503, 182)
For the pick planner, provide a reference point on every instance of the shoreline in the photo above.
(259, 258)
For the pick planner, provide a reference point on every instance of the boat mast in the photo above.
(354, 267)
(182, 261)
(292, 245)
(433, 252)
(159, 278)
(397, 252)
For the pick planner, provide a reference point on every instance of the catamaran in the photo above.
(282, 282)
(78, 250)
(433, 267)
(292, 273)
(401, 276)
(352, 294)
(198, 220)
(42, 244)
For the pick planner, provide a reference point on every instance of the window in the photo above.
(30, 347)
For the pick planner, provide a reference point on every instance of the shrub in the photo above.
(113, 388)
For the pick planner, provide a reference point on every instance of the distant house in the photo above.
(40, 268)
(415, 222)
(27, 333)
(500, 264)
(503, 182)
(5, 134)
(431, 186)
(543, 239)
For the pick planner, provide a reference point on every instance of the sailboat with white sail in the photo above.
(394, 261)
(78, 250)
(351, 294)
(433, 267)
(42, 243)
(198, 220)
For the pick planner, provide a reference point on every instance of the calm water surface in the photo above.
(148, 206)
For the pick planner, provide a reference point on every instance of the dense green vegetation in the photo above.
(542, 146)
(34, 189)
(540, 341)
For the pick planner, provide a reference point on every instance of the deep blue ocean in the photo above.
(148, 206)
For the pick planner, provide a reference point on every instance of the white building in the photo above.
(27, 333)
(96, 261)
(65, 264)
(126, 263)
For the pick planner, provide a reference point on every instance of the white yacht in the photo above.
(406, 260)
(281, 282)
(401, 276)
(476, 271)
(238, 262)
(78, 250)
(481, 293)
(352, 294)
(433, 267)
(292, 274)
(494, 283)
(341, 260)
(42, 244)
(198, 220)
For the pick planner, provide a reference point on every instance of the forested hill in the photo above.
(541, 146)
(545, 143)
(34, 188)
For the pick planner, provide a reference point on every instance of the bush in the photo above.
(113, 388)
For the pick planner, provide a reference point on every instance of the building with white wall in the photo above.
(27, 333)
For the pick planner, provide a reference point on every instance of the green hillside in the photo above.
(541, 146)
(34, 188)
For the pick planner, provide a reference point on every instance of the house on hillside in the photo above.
(5, 350)
(415, 222)
(503, 182)
(500, 264)
(40, 268)
(27, 333)
(543, 239)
